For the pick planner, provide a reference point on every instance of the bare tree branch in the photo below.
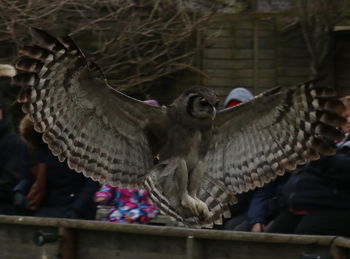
(318, 18)
(134, 41)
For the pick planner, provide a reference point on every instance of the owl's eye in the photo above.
(203, 102)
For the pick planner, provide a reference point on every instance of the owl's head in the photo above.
(201, 103)
(197, 103)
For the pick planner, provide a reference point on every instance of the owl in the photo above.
(206, 156)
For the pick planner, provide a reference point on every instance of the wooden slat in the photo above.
(266, 73)
(94, 239)
(228, 54)
(287, 81)
(226, 64)
(294, 71)
(293, 52)
(229, 73)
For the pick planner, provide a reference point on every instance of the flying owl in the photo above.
(206, 156)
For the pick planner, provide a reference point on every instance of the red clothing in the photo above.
(232, 103)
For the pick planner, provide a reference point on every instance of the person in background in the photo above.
(50, 188)
(12, 162)
(317, 195)
(126, 205)
(265, 203)
(237, 96)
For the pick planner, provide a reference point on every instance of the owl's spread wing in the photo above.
(99, 130)
(259, 140)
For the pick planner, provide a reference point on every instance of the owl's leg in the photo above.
(168, 186)
(181, 177)
(189, 185)
(195, 179)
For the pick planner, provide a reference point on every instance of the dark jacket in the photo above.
(324, 183)
(12, 163)
(265, 202)
(68, 193)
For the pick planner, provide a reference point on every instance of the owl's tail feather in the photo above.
(218, 198)
(215, 195)
(163, 204)
(7, 70)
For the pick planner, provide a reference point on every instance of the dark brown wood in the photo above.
(67, 243)
(96, 239)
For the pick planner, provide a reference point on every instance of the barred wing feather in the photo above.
(99, 130)
(276, 131)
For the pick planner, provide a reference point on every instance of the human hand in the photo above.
(20, 201)
(258, 227)
(100, 199)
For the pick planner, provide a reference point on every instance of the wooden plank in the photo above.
(266, 64)
(266, 33)
(239, 33)
(293, 71)
(287, 64)
(228, 54)
(228, 82)
(243, 43)
(230, 43)
(242, 82)
(246, 23)
(225, 21)
(266, 83)
(292, 42)
(220, 33)
(266, 73)
(285, 81)
(266, 43)
(220, 43)
(266, 24)
(227, 64)
(266, 54)
(293, 62)
(293, 52)
(217, 82)
(229, 73)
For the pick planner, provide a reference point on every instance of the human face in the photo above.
(346, 115)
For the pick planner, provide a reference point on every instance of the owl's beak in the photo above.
(213, 113)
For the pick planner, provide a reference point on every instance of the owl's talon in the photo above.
(202, 208)
(196, 206)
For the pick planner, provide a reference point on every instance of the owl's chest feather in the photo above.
(188, 144)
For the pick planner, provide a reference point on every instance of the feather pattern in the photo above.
(275, 132)
(82, 119)
(112, 138)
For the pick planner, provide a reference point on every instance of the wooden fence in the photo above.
(46, 238)
(254, 51)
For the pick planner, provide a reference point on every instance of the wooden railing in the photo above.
(29, 237)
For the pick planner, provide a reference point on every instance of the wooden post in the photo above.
(193, 248)
(340, 248)
(67, 246)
